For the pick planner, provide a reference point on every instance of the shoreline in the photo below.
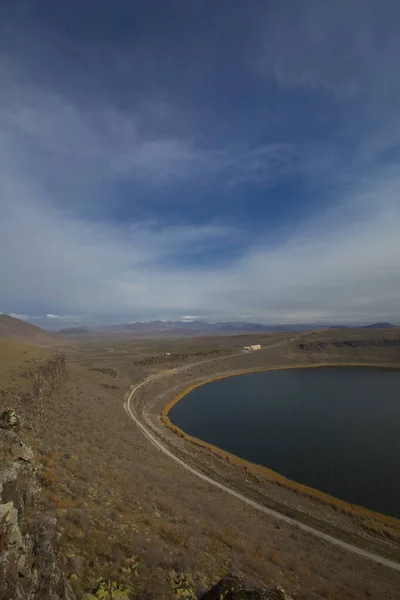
(272, 476)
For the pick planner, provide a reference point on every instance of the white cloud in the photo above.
(190, 318)
(54, 155)
(74, 148)
(19, 316)
(336, 46)
(338, 266)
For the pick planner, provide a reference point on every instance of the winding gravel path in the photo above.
(273, 513)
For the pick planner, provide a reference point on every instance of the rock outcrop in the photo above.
(30, 560)
(8, 419)
(31, 563)
(47, 377)
(234, 588)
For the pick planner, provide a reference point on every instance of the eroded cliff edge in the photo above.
(31, 565)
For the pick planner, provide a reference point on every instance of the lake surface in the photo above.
(334, 429)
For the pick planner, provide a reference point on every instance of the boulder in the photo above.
(31, 563)
(22, 451)
(8, 419)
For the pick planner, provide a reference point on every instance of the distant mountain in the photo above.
(74, 330)
(195, 327)
(379, 326)
(20, 331)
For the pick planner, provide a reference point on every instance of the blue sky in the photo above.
(231, 160)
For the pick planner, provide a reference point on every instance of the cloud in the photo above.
(19, 316)
(97, 222)
(342, 47)
(341, 265)
(70, 147)
(110, 143)
(190, 318)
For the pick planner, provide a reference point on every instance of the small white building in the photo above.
(246, 349)
(255, 347)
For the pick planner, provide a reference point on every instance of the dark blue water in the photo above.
(334, 429)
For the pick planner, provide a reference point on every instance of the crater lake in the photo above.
(336, 429)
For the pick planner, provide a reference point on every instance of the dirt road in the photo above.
(276, 515)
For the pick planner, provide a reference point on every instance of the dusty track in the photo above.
(273, 513)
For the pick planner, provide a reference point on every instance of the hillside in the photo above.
(15, 359)
(132, 520)
(21, 331)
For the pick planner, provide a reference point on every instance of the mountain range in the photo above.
(196, 327)
(21, 331)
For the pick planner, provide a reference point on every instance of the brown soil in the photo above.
(128, 512)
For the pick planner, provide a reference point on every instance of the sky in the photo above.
(223, 160)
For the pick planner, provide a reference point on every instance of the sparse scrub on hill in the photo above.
(15, 360)
(175, 357)
(106, 521)
(109, 371)
(129, 515)
(378, 343)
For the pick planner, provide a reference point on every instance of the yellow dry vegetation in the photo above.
(15, 359)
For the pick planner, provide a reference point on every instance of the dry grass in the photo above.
(127, 513)
(15, 359)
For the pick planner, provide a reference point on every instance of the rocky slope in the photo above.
(31, 566)
(134, 525)
(32, 387)
(31, 563)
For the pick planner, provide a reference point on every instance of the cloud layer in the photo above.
(136, 211)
